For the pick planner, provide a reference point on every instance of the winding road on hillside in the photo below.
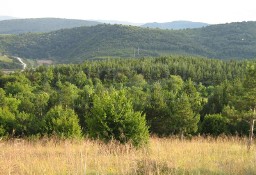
(23, 64)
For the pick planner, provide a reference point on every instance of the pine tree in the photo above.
(184, 121)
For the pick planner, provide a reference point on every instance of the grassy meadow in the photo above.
(6, 59)
(161, 156)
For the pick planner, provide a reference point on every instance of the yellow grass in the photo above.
(161, 156)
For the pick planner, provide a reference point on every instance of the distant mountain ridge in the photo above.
(36, 25)
(176, 25)
(223, 41)
(120, 22)
(6, 18)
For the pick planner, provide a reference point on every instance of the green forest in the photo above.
(222, 41)
(130, 99)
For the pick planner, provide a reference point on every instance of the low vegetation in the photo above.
(162, 156)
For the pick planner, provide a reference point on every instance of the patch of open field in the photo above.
(5, 59)
(161, 156)
(44, 62)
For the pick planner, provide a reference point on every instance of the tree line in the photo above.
(129, 99)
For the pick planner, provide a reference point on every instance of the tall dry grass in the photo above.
(161, 156)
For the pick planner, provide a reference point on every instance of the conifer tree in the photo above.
(184, 121)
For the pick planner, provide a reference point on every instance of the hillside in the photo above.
(17, 26)
(9, 63)
(225, 41)
(6, 18)
(176, 25)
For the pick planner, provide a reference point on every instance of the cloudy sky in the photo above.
(139, 11)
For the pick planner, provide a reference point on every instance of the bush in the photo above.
(7, 122)
(112, 117)
(62, 122)
(214, 124)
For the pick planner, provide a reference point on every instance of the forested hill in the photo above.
(225, 41)
(16, 26)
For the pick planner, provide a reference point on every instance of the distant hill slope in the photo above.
(6, 18)
(176, 25)
(17, 26)
(225, 41)
(120, 22)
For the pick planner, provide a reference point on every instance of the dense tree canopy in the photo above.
(128, 99)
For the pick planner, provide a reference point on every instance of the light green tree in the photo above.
(62, 122)
(112, 117)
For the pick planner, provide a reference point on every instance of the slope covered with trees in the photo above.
(39, 25)
(226, 41)
(126, 99)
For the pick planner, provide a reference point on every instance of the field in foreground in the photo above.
(161, 156)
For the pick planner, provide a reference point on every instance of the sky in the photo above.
(136, 11)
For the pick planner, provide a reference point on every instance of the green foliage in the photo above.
(184, 120)
(7, 122)
(236, 122)
(157, 109)
(62, 122)
(124, 99)
(214, 124)
(249, 89)
(112, 117)
(26, 125)
(68, 94)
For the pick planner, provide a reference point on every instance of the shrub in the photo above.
(62, 122)
(112, 117)
(214, 124)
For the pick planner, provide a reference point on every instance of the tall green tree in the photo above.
(68, 94)
(184, 120)
(157, 109)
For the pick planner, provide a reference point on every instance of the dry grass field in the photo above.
(161, 156)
